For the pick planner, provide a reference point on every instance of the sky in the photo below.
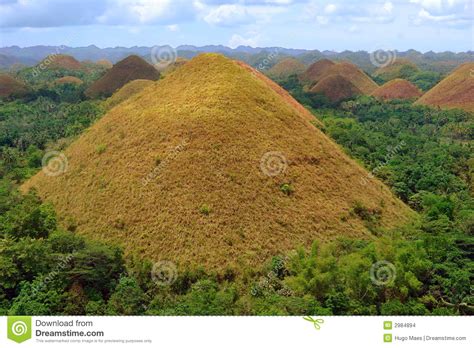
(424, 25)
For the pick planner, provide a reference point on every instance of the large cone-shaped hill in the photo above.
(193, 170)
(128, 69)
(336, 88)
(454, 91)
(10, 87)
(285, 68)
(397, 89)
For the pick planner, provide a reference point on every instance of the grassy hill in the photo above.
(316, 71)
(350, 72)
(400, 68)
(10, 87)
(130, 89)
(454, 91)
(128, 69)
(68, 79)
(285, 68)
(214, 165)
(60, 61)
(397, 89)
(336, 87)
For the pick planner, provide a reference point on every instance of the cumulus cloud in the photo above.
(344, 12)
(229, 15)
(56, 13)
(237, 40)
(450, 12)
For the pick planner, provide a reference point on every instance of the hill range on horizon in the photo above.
(28, 56)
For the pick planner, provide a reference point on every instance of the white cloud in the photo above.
(172, 27)
(228, 15)
(237, 40)
(343, 12)
(450, 12)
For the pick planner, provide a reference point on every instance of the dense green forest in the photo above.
(426, 267)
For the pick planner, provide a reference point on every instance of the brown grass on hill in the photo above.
(173, 66)
(454, 91)
(180, 171)
(397, 89)
(11, 88)
(349, 71)
(300, 109)
(128, 69)
(105, 63)
(316, 71)
(130, 89)
(60, 61)
(336, 88)
(355, 75)
(395, 69)
(285, 68)
(68, 79)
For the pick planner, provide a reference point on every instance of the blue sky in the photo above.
(424, 25)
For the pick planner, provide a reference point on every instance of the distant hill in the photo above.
(336, 87)
(337, 81)
(397, 89)
(400, 68)
(11, 88)
(60, 61)
(131, 68)
(68, 79)
(316, 71)
(454, 91)
(285, 68)
(186, 169)
(443, 62)
(105, 63)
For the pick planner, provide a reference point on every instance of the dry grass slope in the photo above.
(454, 91)
(324, 68)
(105, 63)
(68, 79)
(316, 71)
(60, 61)
(128, 69)
(336, 88)
(202, 131)
(397, 89)
(285, 68)
(10, 87)
(130, 89)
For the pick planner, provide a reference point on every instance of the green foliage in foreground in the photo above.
(424, 155)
